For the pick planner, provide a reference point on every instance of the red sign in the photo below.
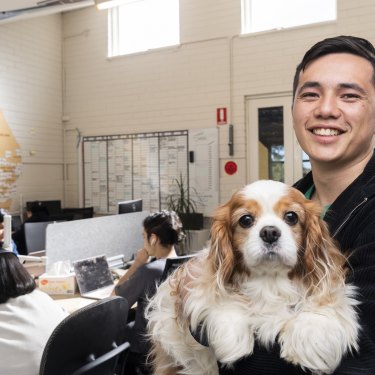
(221, 116)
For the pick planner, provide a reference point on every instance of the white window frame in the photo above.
(114, 37)
(286, 18)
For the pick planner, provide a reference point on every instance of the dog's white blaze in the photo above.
(266, 193)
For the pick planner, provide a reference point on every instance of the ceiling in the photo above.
(12, 10)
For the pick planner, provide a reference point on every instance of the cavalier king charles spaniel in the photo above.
(271, 273)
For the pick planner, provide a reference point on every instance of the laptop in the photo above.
(94, 278)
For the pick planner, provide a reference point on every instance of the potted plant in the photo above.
(185, 206)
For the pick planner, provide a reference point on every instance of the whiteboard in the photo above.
(132, 166)
(145, 165)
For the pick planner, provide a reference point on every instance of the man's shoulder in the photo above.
(304, 183)
(155, 267)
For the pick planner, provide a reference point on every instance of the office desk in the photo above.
(74, 302)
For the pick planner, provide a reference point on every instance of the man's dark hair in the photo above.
(15, 280)
(166, 225)
(339, 44)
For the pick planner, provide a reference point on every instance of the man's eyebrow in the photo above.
(353, 86)
(309, 84)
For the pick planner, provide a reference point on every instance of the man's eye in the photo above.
(351, 96)
(246, 221)
(309, 95)
(291, 218)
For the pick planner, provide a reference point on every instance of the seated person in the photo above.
(27, 318)
(161, 231)
(35, 214)
(13, 246)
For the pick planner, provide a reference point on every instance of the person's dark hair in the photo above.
(339, 44)
(15, 280)
(166, 225)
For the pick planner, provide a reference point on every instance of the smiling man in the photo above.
(334, 121)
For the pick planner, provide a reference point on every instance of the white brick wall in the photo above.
(168, 89)
(30, 98)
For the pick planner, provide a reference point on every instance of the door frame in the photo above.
(293, 152)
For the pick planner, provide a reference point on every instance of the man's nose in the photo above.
(327, 107)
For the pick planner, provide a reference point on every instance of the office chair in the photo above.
(89, 341)
(173, 263)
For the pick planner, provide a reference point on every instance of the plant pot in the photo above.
(192, 221)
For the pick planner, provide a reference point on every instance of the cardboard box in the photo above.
(61, 284)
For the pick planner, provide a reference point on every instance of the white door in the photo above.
(272, 148)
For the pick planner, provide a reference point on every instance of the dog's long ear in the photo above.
(221, 251)
(323, 262)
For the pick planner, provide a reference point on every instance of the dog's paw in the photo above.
(314, 341)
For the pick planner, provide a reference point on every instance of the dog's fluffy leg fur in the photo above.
(318, 336)
(174, 346)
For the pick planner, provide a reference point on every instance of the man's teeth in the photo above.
(325, 132)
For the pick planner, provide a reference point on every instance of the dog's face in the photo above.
(269, 227)
(267, 221)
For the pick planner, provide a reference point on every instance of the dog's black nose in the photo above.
(270, 234)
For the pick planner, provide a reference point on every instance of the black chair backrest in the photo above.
(91, 340)
(173, 263)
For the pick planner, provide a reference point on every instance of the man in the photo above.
(334, 120)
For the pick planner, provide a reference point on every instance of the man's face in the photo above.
(334, 109)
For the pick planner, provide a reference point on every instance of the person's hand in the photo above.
(141, 257)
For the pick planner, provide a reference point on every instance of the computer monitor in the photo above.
(52, 207)
(126, 207)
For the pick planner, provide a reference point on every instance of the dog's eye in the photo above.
(246, 221)
(291, 218)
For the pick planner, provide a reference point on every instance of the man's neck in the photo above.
(331, 181)
(165, 252)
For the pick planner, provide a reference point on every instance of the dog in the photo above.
(270, 273)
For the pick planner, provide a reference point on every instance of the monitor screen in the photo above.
(53, 207)
(125, 207)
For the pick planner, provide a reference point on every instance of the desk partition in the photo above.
(110, 235)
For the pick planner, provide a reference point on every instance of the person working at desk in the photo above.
(27, 318)
(161, 232)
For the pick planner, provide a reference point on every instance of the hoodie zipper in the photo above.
(349, 216)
